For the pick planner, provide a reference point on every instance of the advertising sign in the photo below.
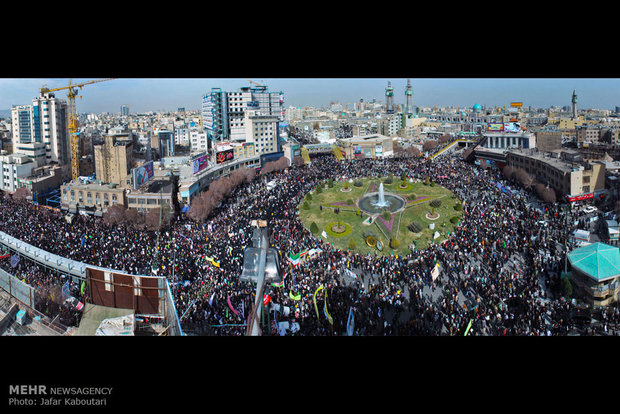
(495, 127)
(142, 174)
(200, 163)
(512, 127)
(379, 151)
(224, 156)
(581, 197)
(357, 151)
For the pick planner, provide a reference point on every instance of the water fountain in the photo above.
(381, 202)
(376, 203)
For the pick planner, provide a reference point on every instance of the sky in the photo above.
(143, 94)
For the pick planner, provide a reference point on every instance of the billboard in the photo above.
(516, 104)
(495, 127)
(357, 151)
(142, 174)
(224, 156)
(512, 127)
(200, 163)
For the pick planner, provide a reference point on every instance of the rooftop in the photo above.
(599, 261)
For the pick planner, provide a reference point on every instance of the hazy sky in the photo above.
(170, 93)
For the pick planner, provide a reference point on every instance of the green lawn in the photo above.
(384, 230)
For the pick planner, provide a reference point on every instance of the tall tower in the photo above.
(574, 101)
(389, 99)
(409, 98)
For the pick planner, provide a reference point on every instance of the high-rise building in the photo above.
(43, 122)
(223, 113)
(574, 102)
(389, 99)
(113, 159)
(409, 99)
(124, 110)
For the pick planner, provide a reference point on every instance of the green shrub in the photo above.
(458, 206)
(306, 206)
(432, 183)
(412, 197)
(435, 203)
(403, 177)
(346, 184)
(357, 183)
(454, 220)
(319, 188)
(330, 183)
(358, 212)
(415, 227)
(388, 180)
(314, 228)
(427, 181)
(309, 197)
(394, 243)
(350, 202)
(352, 245)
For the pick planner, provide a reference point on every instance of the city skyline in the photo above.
(168, 94)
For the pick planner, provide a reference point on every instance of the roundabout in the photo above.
(380, 216)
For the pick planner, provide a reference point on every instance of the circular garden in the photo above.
(331, 211)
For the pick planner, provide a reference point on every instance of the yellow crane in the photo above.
(72, 93)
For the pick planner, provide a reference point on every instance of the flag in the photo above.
(82, 240)
(350, 322)
(316, 308)
(14, 259)
(295, 258)
(297, 297)
(278, 284)
(82, 287)
(236, 312)
(350, 273)
(435, 271)
(65, 291)
(266, 299)
(79, 306)
(211, 299)
(468, 327)
(329, 317)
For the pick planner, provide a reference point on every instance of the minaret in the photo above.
(409, 98)
(389, 99)
(574, 101)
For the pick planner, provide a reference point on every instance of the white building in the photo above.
(224, 112)
(12, 167)
(198, 140)
(45, 122)
(262, 130)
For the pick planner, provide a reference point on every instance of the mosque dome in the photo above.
(477, 108)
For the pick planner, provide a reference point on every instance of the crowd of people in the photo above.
(499, 270)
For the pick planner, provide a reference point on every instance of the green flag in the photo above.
(82, 288)
(468, 327)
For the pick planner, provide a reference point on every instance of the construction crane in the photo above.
(73, 122)
(258, 85)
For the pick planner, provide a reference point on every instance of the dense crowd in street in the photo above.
(499, 272)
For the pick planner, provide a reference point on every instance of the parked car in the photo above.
(589, 209)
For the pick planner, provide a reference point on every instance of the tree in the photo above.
(524, 178)
(298, 161)
(114, 215)
(133, 218)
(314, 228)
(352, 245)
(21, 194)
(152, 218)
(430, 145)
(508, 172)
